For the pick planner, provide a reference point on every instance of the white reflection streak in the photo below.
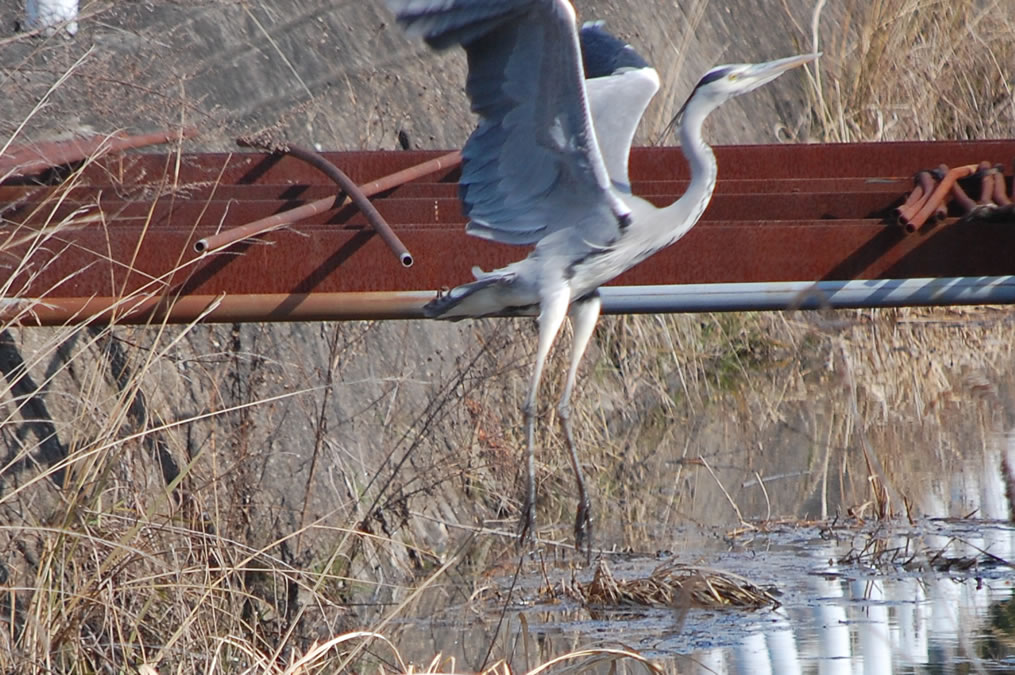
(945, 597)
(752, 656)
(711, 662)
(830, 620)
(997, 540)
(911, 631)
(875, 640)
(995, 501)
(782, 647)
(968, 492)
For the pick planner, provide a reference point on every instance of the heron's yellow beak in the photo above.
(762, 73)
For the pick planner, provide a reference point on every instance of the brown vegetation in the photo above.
(230, 499)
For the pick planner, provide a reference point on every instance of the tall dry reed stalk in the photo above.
(135, 522)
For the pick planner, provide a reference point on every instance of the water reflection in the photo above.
(933, 594)
(835, 619)
(830, 623)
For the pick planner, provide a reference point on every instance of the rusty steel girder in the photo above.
(118, 235)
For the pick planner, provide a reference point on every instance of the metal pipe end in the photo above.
(201, 245)
(406, 259)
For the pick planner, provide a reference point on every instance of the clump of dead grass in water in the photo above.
(673, 585)
(890, 553)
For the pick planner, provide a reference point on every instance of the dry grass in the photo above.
(917, 69)
(673, 585)
(143, 520)
(888, 552)
(202, 499)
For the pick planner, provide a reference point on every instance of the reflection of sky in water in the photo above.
(853, 621)
(849, 607)
(861, 617)
(840, 619)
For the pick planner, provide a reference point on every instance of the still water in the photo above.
(844, 610)
(926, 594)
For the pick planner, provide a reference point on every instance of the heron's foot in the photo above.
(583, 529)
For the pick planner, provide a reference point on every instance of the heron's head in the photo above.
(724, 82)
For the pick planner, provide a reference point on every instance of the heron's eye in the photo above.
(733, 77)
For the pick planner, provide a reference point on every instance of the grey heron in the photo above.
(547, 167)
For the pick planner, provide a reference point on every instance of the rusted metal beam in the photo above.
(93, 260)
(753, 162)
(419, 188)
(422, 212)
(127, 225)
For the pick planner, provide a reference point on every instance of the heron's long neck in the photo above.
(686, 211)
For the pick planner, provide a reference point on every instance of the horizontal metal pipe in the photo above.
(141, 310)
(31, 159)
(879, 293)
(450, 160)
(263, 225)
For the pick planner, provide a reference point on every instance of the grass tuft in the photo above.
(244, 499)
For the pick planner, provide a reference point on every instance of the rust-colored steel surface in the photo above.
(124, 228)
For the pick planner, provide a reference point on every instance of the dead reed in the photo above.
(246, 499)
(674, 585)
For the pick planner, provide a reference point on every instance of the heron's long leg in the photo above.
(552, 311)
(584, 314)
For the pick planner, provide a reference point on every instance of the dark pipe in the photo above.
(350, 188)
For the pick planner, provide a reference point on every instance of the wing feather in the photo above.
(619, 85)
(532, 167)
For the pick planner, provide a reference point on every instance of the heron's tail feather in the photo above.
(491, 294)
(449, 305)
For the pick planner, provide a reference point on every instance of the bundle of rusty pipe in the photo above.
(356, 194)
(994, 201)
(934, 188)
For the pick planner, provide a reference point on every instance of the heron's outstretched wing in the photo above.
(619, 84)
(532, 166)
